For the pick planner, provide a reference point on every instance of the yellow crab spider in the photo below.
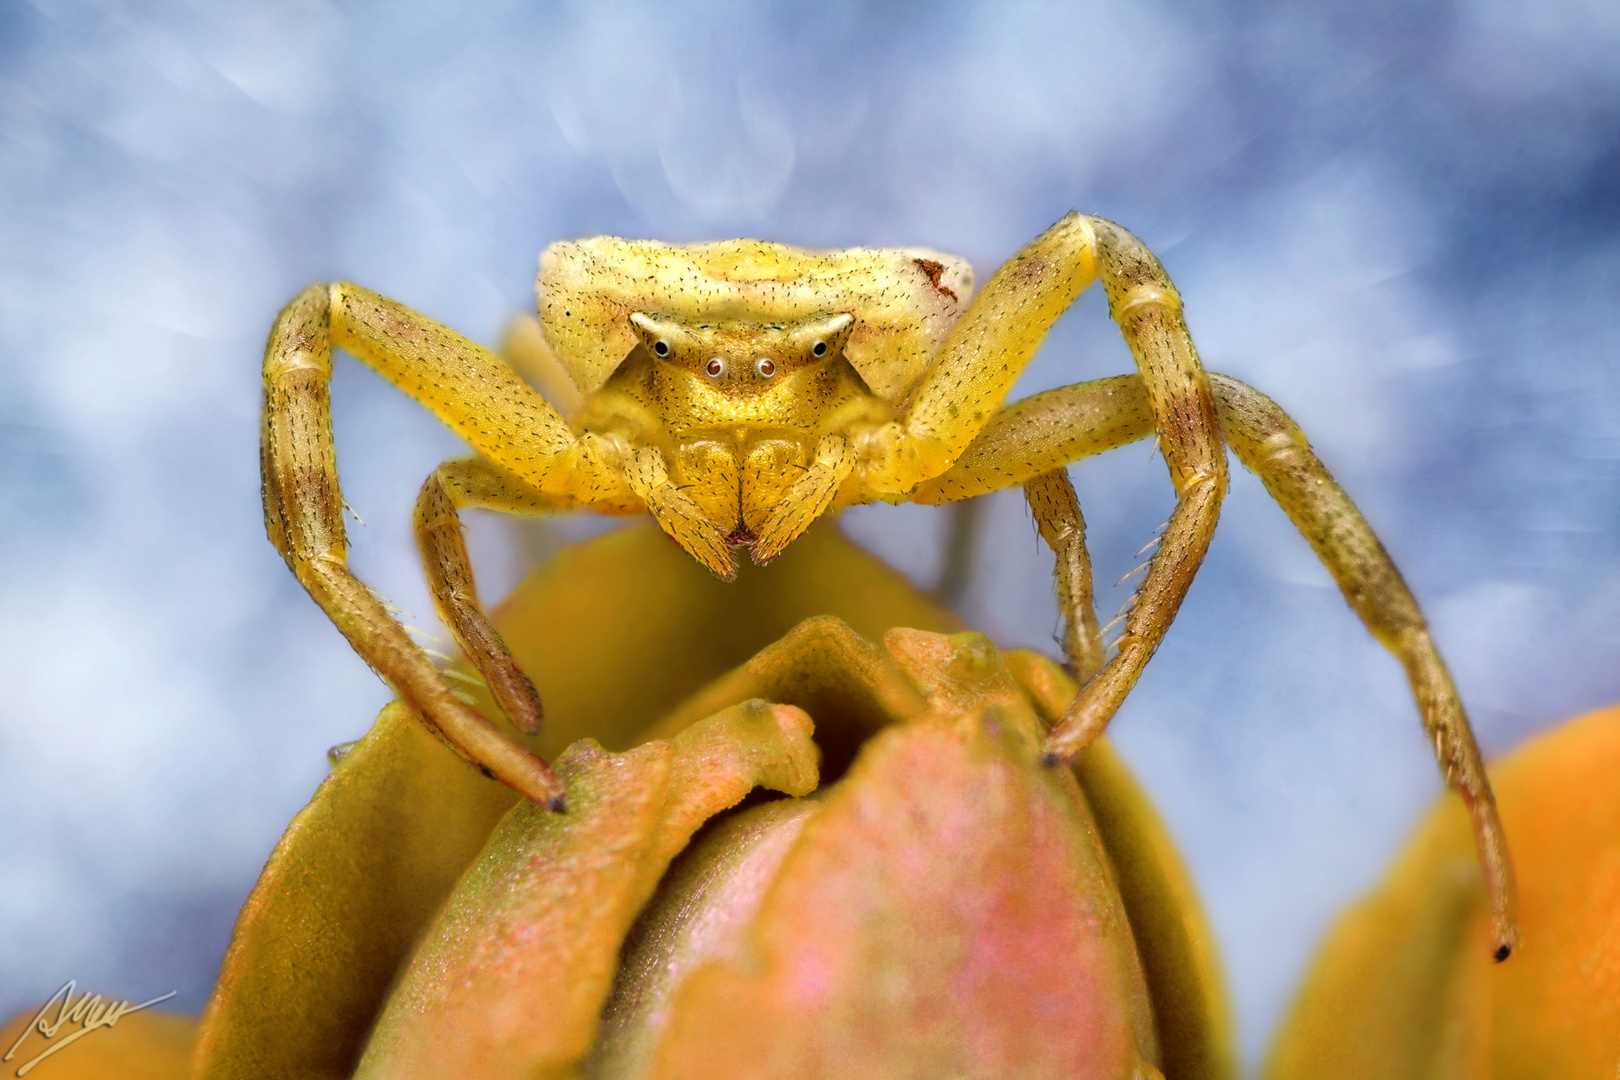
(737, 391)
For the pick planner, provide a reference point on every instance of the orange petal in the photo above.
(1403, 985)
(147, 1045)
(1557, 1000)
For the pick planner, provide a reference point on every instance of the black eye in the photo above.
(766, 368)
(820, 348)
(714, 367)
(661, 348)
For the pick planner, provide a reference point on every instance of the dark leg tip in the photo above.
(557, 804)
(1503, 951)
(1051, 759)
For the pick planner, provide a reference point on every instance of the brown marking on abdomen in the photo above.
(934, 270)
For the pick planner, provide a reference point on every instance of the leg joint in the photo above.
(301, 338)
(434, 503)
(1149, 295)
(1284, 446)
(1201, 482)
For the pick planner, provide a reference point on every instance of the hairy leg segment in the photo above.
(303, 503)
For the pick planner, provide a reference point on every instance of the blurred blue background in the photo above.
(1400, 219)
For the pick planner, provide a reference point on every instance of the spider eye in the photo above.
(661, 347)
(766, 367)
(820, 348)
(714, 367)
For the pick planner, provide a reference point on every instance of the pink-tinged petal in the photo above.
(1173, 935)
(511, 979)
(949, 912)
(702, 911)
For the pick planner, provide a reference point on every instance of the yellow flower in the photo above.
(1403, 986)
(926, 899)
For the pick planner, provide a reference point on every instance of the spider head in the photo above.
(738, 356)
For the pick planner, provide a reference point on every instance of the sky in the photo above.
(1401, 220)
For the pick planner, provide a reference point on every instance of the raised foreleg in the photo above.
(468, 388)
(956, 400)
(1148, 311)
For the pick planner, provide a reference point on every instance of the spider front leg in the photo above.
(1148, 310)
(976, 365)
(476, 395)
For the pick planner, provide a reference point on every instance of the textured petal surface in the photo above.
(850, 686)
(512, 976)
(703, 911)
